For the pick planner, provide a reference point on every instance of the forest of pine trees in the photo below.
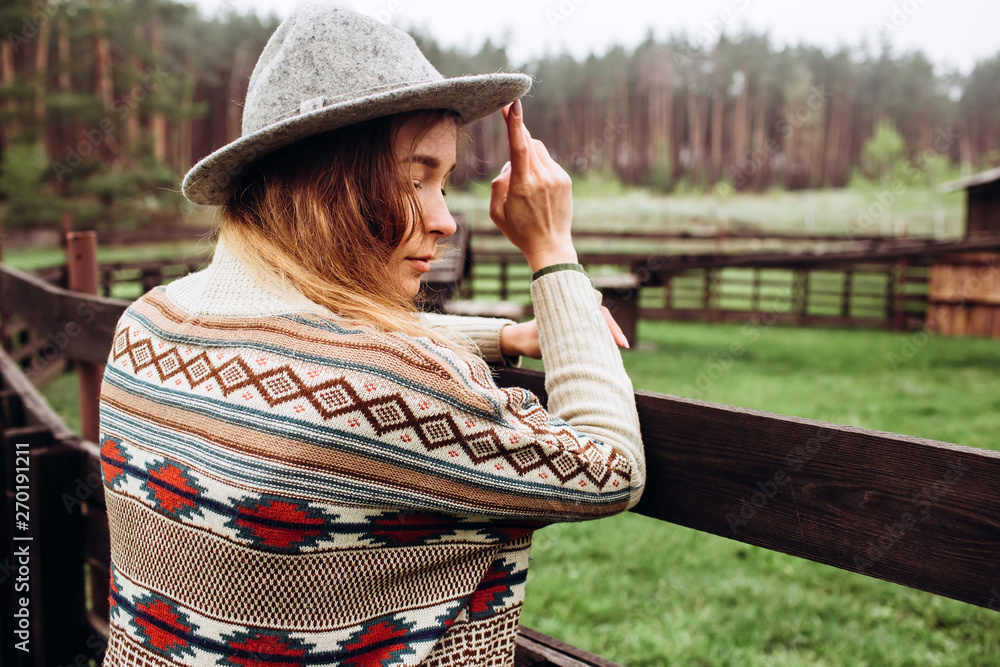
(104, 104)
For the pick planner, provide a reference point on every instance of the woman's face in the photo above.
(429, 161)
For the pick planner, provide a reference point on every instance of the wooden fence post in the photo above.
(899, 307)
(755, 291)
(5, 342)
(81, 264)
(503, 280)
(800, 296)
(845, 295)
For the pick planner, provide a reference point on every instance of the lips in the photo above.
(421, 264)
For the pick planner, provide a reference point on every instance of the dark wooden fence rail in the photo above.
(875, 294)
(144, 275)
(915, 512)
(883, 283)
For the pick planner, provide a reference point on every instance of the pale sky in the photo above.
(953, 33)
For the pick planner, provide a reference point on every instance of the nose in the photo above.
(438, 220)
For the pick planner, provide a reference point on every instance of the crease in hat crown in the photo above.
(326, 67)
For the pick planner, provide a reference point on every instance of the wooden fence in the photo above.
(882, 283)
(915, 512)
(886, 285)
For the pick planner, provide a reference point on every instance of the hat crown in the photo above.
(324, 54)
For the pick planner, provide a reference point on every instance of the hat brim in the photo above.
(210, 181)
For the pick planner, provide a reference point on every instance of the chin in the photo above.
(412, 290)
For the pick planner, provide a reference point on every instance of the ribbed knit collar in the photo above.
(227, 288)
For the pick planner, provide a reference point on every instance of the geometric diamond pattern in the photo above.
(383, 414)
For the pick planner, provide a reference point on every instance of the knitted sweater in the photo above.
(286, 489)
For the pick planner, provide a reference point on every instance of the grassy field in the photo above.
(28, 259)
(862, 210)
(642, 592)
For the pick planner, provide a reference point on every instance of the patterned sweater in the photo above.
(286, 489)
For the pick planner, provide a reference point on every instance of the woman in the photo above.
(300, 469)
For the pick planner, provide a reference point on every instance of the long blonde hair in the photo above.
(323, 216)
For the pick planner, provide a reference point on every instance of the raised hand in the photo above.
(532, 198)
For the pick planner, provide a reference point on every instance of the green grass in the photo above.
(646, 593)
(920, 211)
(29, 259)
(643, 592)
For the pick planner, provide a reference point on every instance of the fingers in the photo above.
(521, 149)
(542, 153)
(498, 196)
(616, 331)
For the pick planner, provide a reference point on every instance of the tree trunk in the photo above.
(133, 126)
(42, 41)
(760, 156)
(239, 78)
(619, 143)
(695, 135)
(157, 121)
(103, 81)
(65, 81)
(9, 129)
(718, 118)
(741, 123)
(829, 177)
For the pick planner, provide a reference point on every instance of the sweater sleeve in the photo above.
(483, 331)
(584, 375)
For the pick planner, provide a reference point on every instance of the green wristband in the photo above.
(552, 268)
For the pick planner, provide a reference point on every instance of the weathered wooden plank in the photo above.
(11, 409)
(537, 650)
(97, 538)
(888, 252)
(915, 512)
(58, 601)
(761, 317)
(36, 411)
(710, 234)
(78, 326)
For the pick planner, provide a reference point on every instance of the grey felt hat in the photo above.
(326, 67)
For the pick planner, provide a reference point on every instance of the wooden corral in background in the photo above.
(982, 193)
(964, 297)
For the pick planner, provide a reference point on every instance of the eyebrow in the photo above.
(427, 161)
